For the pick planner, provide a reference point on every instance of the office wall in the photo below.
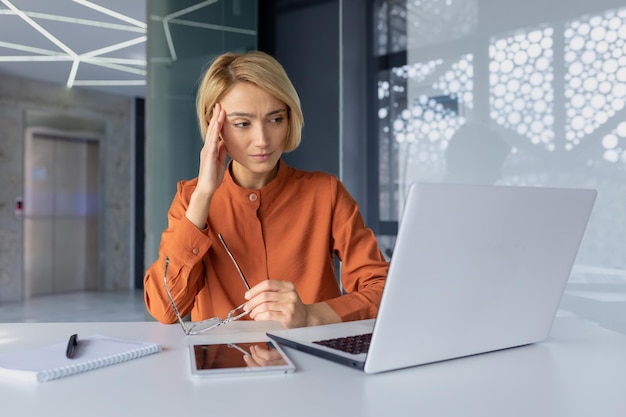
(17, 96)
(307, 46)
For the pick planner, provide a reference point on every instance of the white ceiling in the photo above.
(95, 44)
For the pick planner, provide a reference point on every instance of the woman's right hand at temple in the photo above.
(212, 169)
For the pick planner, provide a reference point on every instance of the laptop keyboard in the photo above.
(350, 344)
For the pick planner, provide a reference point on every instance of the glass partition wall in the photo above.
(184, 36)
(508, 92)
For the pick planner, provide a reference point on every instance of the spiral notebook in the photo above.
(49, 362)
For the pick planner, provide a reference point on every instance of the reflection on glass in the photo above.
(232, 355)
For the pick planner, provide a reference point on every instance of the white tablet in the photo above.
(251, 358)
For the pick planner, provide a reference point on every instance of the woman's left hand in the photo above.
(277, 300)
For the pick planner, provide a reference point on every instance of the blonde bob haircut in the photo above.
(253, 67)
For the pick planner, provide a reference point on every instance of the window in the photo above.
(547, 94)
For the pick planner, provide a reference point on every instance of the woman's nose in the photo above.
(261, 137)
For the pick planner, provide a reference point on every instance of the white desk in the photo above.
(579, 371)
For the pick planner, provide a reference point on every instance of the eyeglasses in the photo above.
(245, 281)
(200, 327)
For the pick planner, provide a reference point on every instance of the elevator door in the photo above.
(61, 205)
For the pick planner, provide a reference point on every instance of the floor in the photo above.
(605, 308)
(79, 306)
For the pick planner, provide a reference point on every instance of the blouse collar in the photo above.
(267, 192)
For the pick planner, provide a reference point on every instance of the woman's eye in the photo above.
(277, 119)
(241, 124)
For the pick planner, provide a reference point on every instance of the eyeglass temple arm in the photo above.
(169, 295)
(245, 282)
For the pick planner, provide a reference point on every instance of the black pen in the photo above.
(71, 346)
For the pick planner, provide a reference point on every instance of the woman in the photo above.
(283, 226)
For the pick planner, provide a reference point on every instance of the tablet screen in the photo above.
(231, 358)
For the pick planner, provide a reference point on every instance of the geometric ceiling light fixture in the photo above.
(95, 45)
(50, 37)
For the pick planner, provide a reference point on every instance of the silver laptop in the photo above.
(475, 268)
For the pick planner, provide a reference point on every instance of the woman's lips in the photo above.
(262, 157)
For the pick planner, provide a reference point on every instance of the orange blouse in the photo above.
(287, 230)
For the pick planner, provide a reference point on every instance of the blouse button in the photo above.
(195, 251)
(253, 197)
